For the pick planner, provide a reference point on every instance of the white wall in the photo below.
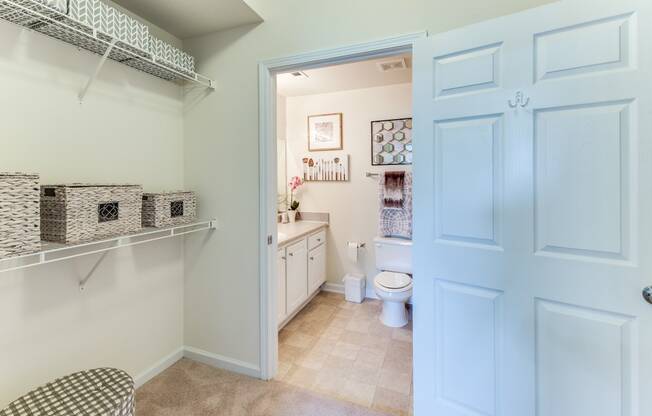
(353, 205)
(221, 141)
(130, 129)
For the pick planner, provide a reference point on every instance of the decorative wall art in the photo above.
(391, 142)
(325, 132)
(331, 168)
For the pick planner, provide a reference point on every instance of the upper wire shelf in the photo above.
(43, 19)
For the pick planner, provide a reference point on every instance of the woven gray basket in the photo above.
(19, 214)
(82, 212)
(99, 392)
(169, 208)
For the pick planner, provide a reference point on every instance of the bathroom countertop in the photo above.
(288, 233)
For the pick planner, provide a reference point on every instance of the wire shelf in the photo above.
(43, 19)
(54, 252)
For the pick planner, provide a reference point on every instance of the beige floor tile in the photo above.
(359, 325)
(352, 337)
(360, 393)
(346, 350)
(342, 350)
(402, 334)
(363, 374)
(329, 383)
(370, 357)
(391, 402)
(290, 354)
(302, 377)
(313, 360)
(300, 340)
(324, 345)
(398, 382)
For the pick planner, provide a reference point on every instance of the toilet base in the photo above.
(394, 314)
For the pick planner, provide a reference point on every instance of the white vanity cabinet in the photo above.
(301, 272)
(316, 267)
(296, 275)
(281, 267)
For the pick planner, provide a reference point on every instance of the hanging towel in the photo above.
(394, 189)
(396, 221)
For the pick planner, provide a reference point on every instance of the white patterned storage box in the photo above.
(82, 212)
(111, 23)
(169, 208)
(99, 392)
(172, 57)
(58, 5)
(19, 214)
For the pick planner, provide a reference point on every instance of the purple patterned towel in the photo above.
(395, 221)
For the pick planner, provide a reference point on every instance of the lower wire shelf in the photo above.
(52, 252)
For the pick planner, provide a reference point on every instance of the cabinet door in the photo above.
(280, 276)
(297, 275)
(316, 268)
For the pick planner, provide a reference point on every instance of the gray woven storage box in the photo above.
(82, 212)
(19, 214)
(169, 208)
(99, 392)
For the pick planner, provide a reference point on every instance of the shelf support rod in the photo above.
(82, 283)
(83, 92)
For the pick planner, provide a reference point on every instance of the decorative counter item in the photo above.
(19, 214)
(169, 208)
(295, 183)
(81, 212)
(391, 142)
(332, 168)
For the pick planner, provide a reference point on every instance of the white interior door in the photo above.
(533, 221)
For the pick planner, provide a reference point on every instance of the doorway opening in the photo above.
(311, 336)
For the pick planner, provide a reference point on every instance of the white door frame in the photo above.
(267, 71)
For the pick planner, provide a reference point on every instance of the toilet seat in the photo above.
(393, 282)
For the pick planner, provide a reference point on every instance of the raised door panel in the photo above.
(585, 361)
(316, 268)
(282, 286)
(582, 175)
(297, 275)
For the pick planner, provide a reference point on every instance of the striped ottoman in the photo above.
(99, 392)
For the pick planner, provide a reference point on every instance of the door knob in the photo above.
(647, 294)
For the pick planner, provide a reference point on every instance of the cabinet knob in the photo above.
(284, 258)
(312, 258)
(291, 254)
(319, 239)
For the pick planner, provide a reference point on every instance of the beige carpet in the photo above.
(189, 388)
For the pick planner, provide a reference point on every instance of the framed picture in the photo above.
(325, 132)
(391, 142)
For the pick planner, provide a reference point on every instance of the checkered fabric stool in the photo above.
(99, 392)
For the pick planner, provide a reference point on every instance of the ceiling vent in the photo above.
(395, 65)
(299, 74)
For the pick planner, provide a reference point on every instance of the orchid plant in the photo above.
(295, 183)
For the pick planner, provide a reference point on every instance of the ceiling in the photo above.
(187, 19)
(352, 76)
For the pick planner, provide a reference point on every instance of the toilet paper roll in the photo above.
(352, 251)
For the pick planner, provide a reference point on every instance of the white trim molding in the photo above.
(333, 287)
(159, 367)
(220, 361)
(267, 71)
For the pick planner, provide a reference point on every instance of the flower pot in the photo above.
(292, 215)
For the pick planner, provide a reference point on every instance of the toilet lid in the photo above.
(392, 280)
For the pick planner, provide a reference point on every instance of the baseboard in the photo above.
(220, 361)
(333, 287)
(158, 368)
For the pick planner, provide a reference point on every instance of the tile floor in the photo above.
(342, 350)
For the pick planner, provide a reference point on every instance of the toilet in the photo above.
(393, 285)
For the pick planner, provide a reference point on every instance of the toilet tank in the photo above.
(393, 255)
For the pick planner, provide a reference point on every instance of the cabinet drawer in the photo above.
(299, 246)
(316, 239)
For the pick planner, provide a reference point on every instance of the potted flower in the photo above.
(295, 183)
